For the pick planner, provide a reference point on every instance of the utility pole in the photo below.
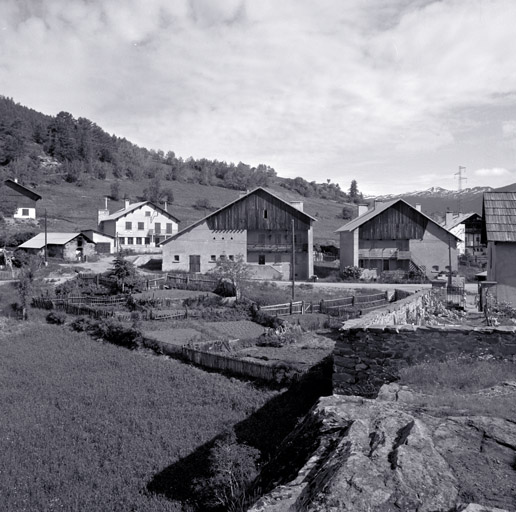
(293, 262)
(461, 178)
(46, 250)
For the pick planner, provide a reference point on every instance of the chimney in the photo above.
(362, 208)
(105, 202)
(418, 207)
(298, 205)
(243, 193)
(449, 218)
(377, 203)
(126, 203)
(15, 180)
(165, 206)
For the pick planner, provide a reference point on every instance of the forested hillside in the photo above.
(37, 148)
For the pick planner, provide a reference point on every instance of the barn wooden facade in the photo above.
(259, 226)
(396, 236)
(499, 232)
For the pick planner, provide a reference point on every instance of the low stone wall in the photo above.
(365, 358)
(372, 349)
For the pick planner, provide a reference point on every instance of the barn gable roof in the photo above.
(132, 207)
(459, 219)
(27, 192)
(499, 214)
(381, 207)
(38, 241)
(307, 217)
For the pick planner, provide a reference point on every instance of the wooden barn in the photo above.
(468, 228)
(259, 226)
(395, 236)
(499, 232)
(18, 201)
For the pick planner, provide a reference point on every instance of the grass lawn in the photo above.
(86, 426)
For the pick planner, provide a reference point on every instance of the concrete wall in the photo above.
(348, 249)
(205, 243)
(501, 268)
(432, 250)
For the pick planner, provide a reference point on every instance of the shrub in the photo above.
(109, 330)
(232, 467)
(262, 318)
(351, 273)
(281, 336)
(56, 317)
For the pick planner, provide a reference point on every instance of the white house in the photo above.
(138, 226)
(19, 199)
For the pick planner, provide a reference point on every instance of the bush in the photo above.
(56, 317)
(232, 467)
(351, 273)
(109, 330)
(262, 318)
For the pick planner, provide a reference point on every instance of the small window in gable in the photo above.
(213, 257)
(176, 258)
(265, 213)
(147, 214)
(128, 225)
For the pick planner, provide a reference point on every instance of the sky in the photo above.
(396, 94)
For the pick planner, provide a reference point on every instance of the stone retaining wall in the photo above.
(372, 350)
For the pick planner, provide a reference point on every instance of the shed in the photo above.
(67, 246)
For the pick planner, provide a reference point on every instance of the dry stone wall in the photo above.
(372, 350)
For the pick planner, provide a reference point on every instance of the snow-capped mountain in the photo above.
(435, 192)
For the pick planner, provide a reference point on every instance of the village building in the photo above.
(260, 226)
(467, 227)
(66, 246)
(138, 226)
(19, 200)
(395, 236)
(499, 232)
(104, 244)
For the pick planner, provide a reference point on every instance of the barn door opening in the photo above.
(195, 263)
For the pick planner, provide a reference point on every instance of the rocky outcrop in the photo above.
(357, 454)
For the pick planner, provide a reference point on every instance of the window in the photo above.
(213, 257)
(169, 228)
(147, 214)
(129, 226)
(138, 241)
(261, 259)
(121, 240)
(147, 240)
(157, 227)
(141, 226)
(130, 240)
(25, 212)
(386, 264)
(222, 257)
(231, 257)
(264, 214)
(435, 268)
(176, 258)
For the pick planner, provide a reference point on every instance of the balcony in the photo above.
(383, 254)
(270, 247)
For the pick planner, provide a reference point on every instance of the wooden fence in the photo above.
(191, 282)
(334, 307)
(79, 309)
(8, 275)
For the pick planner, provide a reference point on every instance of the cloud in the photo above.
(495, 172)
(300, 86)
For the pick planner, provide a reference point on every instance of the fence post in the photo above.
(186, 313)
(321, 306)
(386, 295)
(290, 308)
(302, 307)
(352, 300)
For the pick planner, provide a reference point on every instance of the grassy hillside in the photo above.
(70, 207)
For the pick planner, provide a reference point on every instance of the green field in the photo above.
(87, 426)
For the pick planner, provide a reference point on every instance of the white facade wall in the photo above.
(25, 213)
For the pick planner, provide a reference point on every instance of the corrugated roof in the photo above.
(499, 213)
(124, 211)
(381, 207)
(38, 241)
(200, 221)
